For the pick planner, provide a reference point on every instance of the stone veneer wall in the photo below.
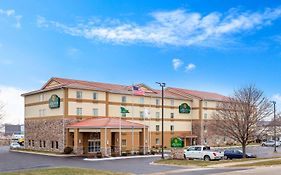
(47, 130)
(177, 153)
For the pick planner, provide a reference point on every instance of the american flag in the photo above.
(137, 90)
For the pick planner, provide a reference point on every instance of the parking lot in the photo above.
(12, 161)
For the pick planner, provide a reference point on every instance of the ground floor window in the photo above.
(124, 142)
(157, 141)
(44, 143)
(93, 146)
(33, 143)
(52, 144)
(57, 145)
(40, 143)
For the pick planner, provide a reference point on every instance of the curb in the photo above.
(44, 154)
(181, 166)
(120, 158)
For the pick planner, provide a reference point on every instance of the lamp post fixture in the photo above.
(162, 86)
(274, 121)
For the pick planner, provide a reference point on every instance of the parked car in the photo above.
(202, 152)
(236, 154)
(14, 145)
(270, 143)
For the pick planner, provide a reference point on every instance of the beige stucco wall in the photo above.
(86, 94)
(33, 111)
(87, 108)
(36, 97)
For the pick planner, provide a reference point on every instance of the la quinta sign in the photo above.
(54, 102)
(184, 108)
(177, 142)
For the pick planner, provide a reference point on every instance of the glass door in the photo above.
(93, 146)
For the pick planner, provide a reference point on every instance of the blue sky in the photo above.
(204, 45)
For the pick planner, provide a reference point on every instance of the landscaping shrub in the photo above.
(67, 150)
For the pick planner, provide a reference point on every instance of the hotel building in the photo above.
(87, 116)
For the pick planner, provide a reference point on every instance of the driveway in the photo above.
(13, 161)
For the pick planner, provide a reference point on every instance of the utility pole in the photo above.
(162, 86)
(274, 121)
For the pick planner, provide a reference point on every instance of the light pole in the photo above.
(274, 121)
(162, 86)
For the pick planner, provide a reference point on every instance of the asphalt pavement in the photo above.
(13, 161)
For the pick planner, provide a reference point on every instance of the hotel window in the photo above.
(157, 101)
(52, 144)
(124, 142)
(157, 114)
(44, 143)
(172, 102)
(40, 144)
(95, 112)
(172, 115)
(205, 140)
(157, 141)
(124, 99)
(141, 100)
(78, 111)
(42, 112)
(172, 128)
(205, 116)
(29, 142)
(141, 114)
(79, 94)
(205, 128)
(95, 96)
(33, 143)
(41, 97)
(205, 104)
(157, 127)
(57, 145)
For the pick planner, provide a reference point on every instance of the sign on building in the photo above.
(177, 142)
(184, 108)
(54, 102)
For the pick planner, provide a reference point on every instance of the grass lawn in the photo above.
(62, 171)
(200, 163)
(263, 163)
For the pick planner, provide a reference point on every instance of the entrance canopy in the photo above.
(105, 122)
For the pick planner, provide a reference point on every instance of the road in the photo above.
(12, 161)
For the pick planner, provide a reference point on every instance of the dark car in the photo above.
(236, 154)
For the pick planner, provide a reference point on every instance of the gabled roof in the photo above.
(56, 83)
(199, 94)
(105, 122)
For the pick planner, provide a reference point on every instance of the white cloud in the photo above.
(176, 63)
(178, 27)
(14, 104)
(190, 67)
(72, 51)
(11, 13)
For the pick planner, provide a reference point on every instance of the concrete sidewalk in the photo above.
(273, 170)
(241, 163)
(43, 153)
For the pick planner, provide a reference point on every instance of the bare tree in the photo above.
(238, 115)
(1, 114)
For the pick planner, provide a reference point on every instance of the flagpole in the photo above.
(120, 152)
(132, 94)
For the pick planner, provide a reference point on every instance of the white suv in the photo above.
(270, 143)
